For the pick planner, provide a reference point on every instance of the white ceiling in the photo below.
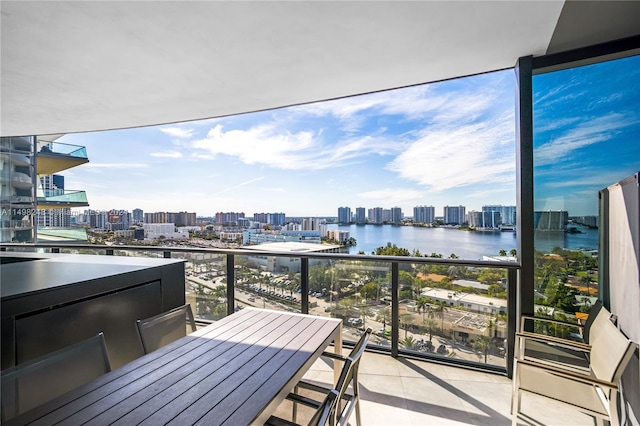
(72, 66)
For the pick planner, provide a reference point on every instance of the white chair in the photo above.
(32, 383)
(328, 412)
(164, 328)
(592, 390)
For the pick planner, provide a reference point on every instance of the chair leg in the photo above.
(356, 396)
(515, 407)
(295, 406)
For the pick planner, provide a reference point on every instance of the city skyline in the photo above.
(445, 143)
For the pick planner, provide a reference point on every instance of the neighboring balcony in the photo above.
(54, 157)
(59, 234)
(58, 198)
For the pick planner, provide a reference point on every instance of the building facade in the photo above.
(454, 215)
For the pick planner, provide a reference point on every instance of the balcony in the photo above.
(58, 198)
(400, 384)
(54, 157)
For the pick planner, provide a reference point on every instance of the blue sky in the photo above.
(447, 143)
(586, 133)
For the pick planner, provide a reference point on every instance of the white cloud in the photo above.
(460, 154)
(587, 133)
(178, 132)
(168, 154)
(278, 148)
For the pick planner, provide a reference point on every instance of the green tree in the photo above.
(502, 252)
(430, 323)
(369, 290)
(481, 345)
(409, 342)
(405, 321)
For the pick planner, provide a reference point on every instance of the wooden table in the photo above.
(235, 372)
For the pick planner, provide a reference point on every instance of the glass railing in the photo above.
(460, 312)
(62, 149)
(59, 196)
(62, 234)
(15, 224)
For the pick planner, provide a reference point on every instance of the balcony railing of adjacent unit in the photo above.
(16, 224)
(62, 149)
(404, 299)
(49, 233)
(61, 197)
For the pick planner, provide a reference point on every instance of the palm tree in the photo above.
(405, 320)
(482, 345)
(513, 253)
(585, 279)
(439, 309)
(409, 342)
(502, 252)
(430, 324)
(423, 306)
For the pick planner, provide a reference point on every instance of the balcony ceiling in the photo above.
(73, 66)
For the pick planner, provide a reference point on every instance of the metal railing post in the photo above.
(512, 317)
(304, 284)
(231, 279)
(395, 309)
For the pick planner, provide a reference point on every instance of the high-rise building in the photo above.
(29, 192)
(396, 215)
(230, 218)
(344, 215)
(454, 215)
(361, 216)
(424, 214)
(484, 219)
(550, 220)
(507, 213)
(375, 215)
(275, 219)
(53, 185)
(138, 215)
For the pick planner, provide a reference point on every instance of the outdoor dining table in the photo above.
(235, 371)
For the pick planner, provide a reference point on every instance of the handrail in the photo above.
(248, 252)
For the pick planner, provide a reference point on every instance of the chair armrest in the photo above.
(584, 347)
(568, 374)
(554, 321)
(334, 356)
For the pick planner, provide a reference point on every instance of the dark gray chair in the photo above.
(32, 383)
(330, 412)
(165, 328)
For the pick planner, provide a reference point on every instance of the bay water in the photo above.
(470, 245)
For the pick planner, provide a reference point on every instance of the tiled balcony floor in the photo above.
(407, 392)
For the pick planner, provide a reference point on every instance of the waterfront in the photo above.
(465, 244)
